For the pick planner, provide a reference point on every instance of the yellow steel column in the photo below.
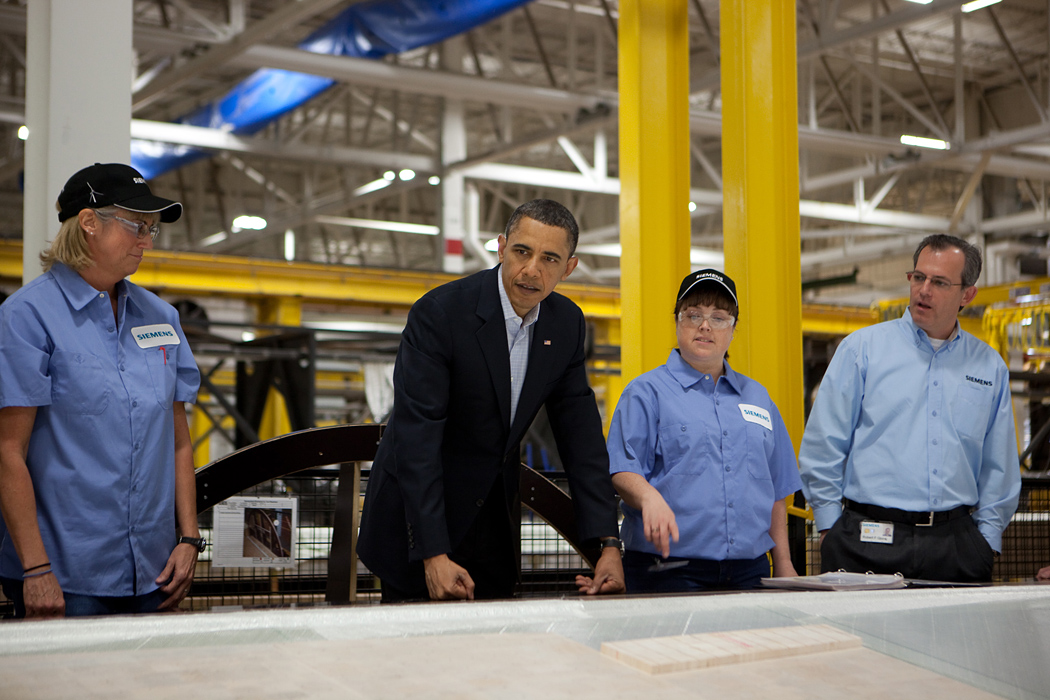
(760, 195)
(654, 178)
(199, 426)
(279, 311)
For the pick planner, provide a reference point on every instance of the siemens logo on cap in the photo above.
(978, 380)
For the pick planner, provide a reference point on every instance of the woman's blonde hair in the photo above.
(70, 244)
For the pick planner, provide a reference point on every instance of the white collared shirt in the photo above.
(519, 339)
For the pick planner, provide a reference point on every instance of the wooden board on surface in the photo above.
(526, 666)
(695, 651)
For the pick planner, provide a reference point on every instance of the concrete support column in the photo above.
(453, 149)
(654, 177)
(78, 104)
(760, 196)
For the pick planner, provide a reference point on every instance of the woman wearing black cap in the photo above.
(96, 463)
(702, 459)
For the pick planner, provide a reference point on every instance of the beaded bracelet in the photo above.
(39, 573)
(38, 566)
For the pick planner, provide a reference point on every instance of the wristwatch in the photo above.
(199, 542)
(612, 542)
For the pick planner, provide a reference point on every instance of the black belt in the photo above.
(893, 515)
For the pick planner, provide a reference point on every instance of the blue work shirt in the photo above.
(898, 425)
(102, 451)
(718, 453)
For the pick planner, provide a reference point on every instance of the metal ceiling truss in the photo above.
(539, 113)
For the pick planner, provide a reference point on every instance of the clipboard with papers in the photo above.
(837, 581)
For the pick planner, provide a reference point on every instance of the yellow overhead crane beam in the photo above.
(194, 274)
(990, 325)
(280, 288)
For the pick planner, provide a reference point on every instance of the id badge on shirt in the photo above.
(155, 335)
(880, 533)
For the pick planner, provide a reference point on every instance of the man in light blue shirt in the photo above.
(909, 458)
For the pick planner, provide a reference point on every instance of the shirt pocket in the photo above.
(78, 383)
(162, 369)
(759, 449)
(678, 444)
(970, 411)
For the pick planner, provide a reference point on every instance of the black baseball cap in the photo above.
(709, 277)
(104, 184)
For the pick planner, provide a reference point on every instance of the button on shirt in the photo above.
(898, 425)
(718, 471)
(519, 339)
(102, 451)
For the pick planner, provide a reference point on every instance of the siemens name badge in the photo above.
(881, 533)
(155, 335)
(756, 415)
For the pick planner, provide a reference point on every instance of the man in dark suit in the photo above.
(478, 358)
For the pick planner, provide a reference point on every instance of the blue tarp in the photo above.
(364, 30)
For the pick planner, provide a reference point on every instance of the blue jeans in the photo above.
(84, 605)
(694, 575)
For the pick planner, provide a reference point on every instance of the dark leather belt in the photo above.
(893, 515)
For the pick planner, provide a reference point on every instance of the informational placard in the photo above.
(255, 531)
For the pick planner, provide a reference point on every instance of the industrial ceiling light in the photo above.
(923, 142)
(407, 174)
(289, 245)
(702, 257)
(921, 2)
(23, 132)
(213, 239)
(978, 4)
(434, 180)
(372, 186)
(250, 223)
(389, 175)
(375, 224)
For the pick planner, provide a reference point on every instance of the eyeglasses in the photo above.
(942, 284)
(717, 320)
(140, 229)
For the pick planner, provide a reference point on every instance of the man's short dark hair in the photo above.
(942, 241)
(550, 213)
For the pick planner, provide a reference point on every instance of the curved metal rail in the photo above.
(348, 445)
(284, 455)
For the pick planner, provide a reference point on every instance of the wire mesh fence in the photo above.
(548, 563)
(1026, 541)
(301, 584)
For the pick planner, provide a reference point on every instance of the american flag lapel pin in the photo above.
(546, 342)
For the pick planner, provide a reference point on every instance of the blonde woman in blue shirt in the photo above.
(96, 462)
(702, 460)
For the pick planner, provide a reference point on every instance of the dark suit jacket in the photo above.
(449, 435)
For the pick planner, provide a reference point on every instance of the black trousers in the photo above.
(950, 551)
(487, 552)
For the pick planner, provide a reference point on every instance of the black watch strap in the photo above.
(612, 542)
(199, 542)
